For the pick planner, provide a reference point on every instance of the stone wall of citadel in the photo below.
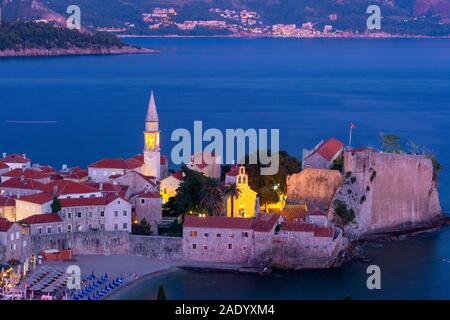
(103, 242)
(388, 191)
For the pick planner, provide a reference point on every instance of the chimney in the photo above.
(4, 154)
(100, 186)
(24, 155)
(64, 167)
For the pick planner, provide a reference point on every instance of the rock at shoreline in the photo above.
(41, 52)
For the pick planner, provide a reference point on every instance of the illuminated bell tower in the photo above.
(152, 156)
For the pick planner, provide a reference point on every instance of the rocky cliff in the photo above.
(387, 192)
(316, 187)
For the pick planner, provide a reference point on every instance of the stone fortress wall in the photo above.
(103, 243)
(388, 192)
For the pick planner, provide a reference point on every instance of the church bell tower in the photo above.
(152, 155)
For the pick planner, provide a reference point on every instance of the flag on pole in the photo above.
(352, 126)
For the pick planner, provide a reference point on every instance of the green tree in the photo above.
(143, 228)
(56, 205)
(161, 293)
(270, 187)
(232, 191)
(212, 199)
(390, 143)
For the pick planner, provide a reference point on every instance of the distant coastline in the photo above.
(237, 36)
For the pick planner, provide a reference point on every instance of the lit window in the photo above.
(193, 233)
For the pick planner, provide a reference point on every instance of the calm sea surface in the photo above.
(76, 110)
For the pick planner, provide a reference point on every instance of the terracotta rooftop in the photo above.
(15, 158)
(41, 218)
(38, 198)
(233, 173)
(149, 195)
(298, 227)
(316, 213)
(19, 183)
(324, 232)
(265, 222)
(128, 164)
(47, 169)
(26, 173)
(217, 222)
(7, 202)
(5, 225)
(178, 175)
(63, 187)
(329, 148)
(3, 165)
(294, 213)
(88, 202)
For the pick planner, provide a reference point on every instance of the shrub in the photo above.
(373, 176)
(363, 198)
(353, 180)
(343, 212)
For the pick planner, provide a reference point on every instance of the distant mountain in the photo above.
(412, 17)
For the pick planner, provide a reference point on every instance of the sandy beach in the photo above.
(119, 265)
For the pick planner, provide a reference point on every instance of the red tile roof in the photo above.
(127, 164)
(3, 165)
(26, 173)
(329, 148)
(77, 174)
(324, 232)
(47, 169)
(178, 175)
(298, 227)
(15, 158)
(64, 187)
(233, 173)
(266, 222)
(217, 222)
(7, 202)
(88, 202)
(38, 198)
(41, 218)
(149, 195)
(19, 183)
(5, 225)
(294, 213)
(316, 213)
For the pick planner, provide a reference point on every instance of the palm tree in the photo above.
(211, 199)
(232, 191)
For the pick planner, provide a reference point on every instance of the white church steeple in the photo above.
(152, 156)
